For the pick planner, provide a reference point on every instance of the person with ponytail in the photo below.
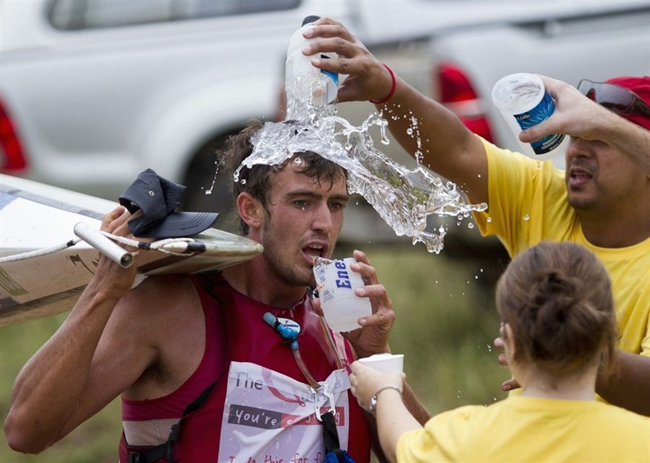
(559, 329)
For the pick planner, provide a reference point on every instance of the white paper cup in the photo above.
(336, 284)
(524, 102)
(386, 363)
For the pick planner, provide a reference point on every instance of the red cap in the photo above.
(640, 86)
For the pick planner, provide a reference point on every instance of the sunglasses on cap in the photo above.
(614, 97)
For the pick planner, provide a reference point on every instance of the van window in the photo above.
(91, 14)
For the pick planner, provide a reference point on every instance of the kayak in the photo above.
(44, 267)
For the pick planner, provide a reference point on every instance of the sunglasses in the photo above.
(614, 97)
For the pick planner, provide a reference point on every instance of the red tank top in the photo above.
(236, 335)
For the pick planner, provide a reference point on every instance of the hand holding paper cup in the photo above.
(336, 284)
(386, 363)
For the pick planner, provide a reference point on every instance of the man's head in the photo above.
(295, 210)
(629, 97)
(600, 179)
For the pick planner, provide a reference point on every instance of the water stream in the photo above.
(403, 198)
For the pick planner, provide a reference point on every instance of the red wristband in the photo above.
(392, 87)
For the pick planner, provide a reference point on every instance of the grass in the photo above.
(445, 326)
(95, 441)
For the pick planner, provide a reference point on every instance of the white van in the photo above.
(94, 91)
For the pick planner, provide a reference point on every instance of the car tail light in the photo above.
(458, 95)
(12, 156)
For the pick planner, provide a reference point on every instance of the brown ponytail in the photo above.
(557, 299)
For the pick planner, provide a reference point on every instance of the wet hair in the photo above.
(557, 299)
(257, 180)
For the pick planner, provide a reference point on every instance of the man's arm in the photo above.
(448, 147)
(629, 385)
(578, 116)
(66, 381)
(373, 338)
(414, 406)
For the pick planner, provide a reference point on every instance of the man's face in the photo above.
(601, 180)
(304, 221)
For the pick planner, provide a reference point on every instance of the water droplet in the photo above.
(436, 281)
(489, 219)
(470, 225)
(409, 131)
(481, 270)
(476, 277)
(479, 175)
(526, 217)
(494, 398)
(243, 181)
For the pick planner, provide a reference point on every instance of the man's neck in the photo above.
(255, 280)
(616, 230)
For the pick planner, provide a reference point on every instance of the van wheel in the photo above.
(209, 186)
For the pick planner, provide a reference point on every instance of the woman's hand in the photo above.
(367, 381)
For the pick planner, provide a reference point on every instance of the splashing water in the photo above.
(403, 198)
(218, 163)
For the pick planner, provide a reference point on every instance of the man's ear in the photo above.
(251, 210)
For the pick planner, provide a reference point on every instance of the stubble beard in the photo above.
(582, 205)
(276, 255)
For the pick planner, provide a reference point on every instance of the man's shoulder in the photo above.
(511, 170)
(163, 286)
(158, 295)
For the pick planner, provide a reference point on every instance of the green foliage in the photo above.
(445, 326)
(95, 441)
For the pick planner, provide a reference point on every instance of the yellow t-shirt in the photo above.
(527, 203)
(526, 429)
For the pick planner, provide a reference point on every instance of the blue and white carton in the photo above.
(524, 103)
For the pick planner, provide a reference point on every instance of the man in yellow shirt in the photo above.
(602, 201)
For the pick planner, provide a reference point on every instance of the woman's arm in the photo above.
(393, 418)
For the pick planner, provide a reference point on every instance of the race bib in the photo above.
(271, 418)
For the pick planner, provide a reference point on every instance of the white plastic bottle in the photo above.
(305, 85)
